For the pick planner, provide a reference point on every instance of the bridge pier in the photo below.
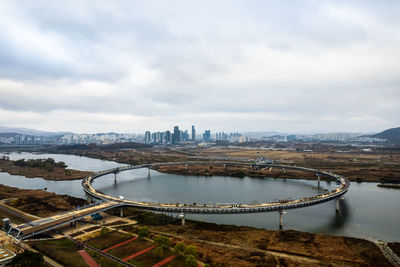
(182, 216)
(121, 213)
(319, 180)
(115, 177)
(337, 205)
(281, 212)
(148, 173)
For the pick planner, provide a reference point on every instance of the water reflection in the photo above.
(341, 218)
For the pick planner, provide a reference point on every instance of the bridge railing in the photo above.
(344, 185)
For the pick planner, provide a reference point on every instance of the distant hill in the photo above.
(391, 135)
(27, 131)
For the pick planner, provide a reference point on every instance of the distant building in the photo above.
(207, 136)
(291, 137)
(168, 137)
(193, 133)
(176, 136)
(153, 137)
(243, 139)
(147, 137)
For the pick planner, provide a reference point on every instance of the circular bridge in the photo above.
(280, 205)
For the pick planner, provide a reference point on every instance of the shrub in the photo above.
(158, 252)
(104, 231)
(143, 232)
(190, 250)
(27, 258)
(191, 261)
(162, 241)
(179, 248)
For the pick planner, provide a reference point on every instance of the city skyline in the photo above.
(131, 66)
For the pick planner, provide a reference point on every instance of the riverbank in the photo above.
(38, 202)
(394, 186)
(54, 173)
(229, 245)
(356, 166)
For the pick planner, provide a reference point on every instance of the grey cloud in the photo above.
(175, 61)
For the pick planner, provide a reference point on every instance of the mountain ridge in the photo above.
(392, 135)
(28, 131)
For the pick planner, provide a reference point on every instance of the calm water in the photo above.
(367, 211)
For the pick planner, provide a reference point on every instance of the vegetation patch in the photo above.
(44, 168)
(103, 261)
(106, 239)
(129, 248)
(39, 202)
(150, 258)
(62, 250)
(27, 258)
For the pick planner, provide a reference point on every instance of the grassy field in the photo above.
(130, 248)
(62, 250)
(107, 240)
(103, 261)
(148, 259)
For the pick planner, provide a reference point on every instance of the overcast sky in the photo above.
(131, 66)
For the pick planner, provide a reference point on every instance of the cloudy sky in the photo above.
(131, 66)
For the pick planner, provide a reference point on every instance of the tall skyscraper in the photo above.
(168, 137)
(207, 136)
(176, 136)
(193, 133)
(147, 137)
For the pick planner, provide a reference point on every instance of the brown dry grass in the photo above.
(56, 174)
(38, 202)
(270, 248)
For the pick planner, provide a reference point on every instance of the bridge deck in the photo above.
(224, 209)
(29, 229)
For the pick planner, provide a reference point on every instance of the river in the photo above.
(367, 211)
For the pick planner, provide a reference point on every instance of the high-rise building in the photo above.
(168, 137)
(193, 133)
(147, 137)
(153, 137)
(176, 136)
(207, 136)
(184, 135)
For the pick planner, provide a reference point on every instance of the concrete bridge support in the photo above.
(281, 212)
(121, 213)
(337, 205)
(148, 173)
(182, 216)
(319, 180)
